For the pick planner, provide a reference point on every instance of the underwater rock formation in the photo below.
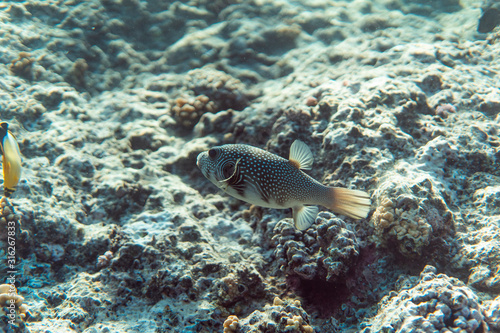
(282, 316)
(23, 65)
(492, 313)
(224, 90)
(435, 303)
(118, 231)
(479, 255)
(411, 214)
(325, 251)
(208, 91)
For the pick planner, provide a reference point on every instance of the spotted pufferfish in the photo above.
(268, 180)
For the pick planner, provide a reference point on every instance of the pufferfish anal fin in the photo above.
(304, 216)
(301, 156)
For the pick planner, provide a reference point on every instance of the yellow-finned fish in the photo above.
(265, 179)
(11, 159)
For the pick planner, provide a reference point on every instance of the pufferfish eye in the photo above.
(212, 153)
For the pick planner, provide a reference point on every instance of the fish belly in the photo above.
(254, 196)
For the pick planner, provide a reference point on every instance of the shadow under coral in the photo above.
(373, 276)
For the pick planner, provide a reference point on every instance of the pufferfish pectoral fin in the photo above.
(304, 216)
(301, 156)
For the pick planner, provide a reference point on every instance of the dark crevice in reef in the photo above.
(323, 297)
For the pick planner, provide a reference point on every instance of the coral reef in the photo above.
(487, 199)
(104, 260)
(435, 303)
(281, 316)
(207, 91)
(326, 251)
(188, 112)
(23, 65)
(12, 310)
(411, 214)
(479, 256)
(223, 90)
(9, 218)
(14, 232)
(231, 324)
(76, 74)
(443, 110)
(112, 100)
(492, 313)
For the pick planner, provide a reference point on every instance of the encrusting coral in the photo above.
(77, 72)
(104, 260)
(325, 251)
(10, 222)
(242, 284)
(7, 216)
(213, 91)
(224, 90)
(402, 226)
(437, 303)
(189, 111)
(492, 313)
(12, 309)
(411, 214)
(479, 254)
(231, 324)
(281, 316)
(23, 65)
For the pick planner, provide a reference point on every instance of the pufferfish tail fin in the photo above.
(351, 203)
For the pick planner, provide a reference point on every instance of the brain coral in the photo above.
(325, 251)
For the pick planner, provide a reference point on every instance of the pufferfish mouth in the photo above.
(201, 163)
(198, 159)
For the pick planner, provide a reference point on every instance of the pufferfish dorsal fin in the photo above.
(301, 156)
